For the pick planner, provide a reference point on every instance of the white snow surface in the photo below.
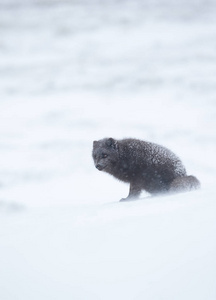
(77, 71)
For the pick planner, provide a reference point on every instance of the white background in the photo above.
(76, 71)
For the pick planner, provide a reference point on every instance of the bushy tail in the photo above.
(184, 184)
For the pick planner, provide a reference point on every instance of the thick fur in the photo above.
(146, 166)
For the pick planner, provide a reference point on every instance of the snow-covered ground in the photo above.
(75, 71)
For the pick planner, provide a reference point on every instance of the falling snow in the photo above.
(73, 72)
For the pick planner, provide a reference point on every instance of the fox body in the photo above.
(146, 166)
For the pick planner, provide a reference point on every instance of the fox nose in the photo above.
(99, 167)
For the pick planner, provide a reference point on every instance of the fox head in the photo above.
(105, 154)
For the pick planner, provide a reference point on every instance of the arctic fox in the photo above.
(146, 166)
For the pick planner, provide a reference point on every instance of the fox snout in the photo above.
(99, 167)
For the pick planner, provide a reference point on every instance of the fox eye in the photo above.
(104, 155)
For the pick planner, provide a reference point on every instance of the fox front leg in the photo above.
(134, 192)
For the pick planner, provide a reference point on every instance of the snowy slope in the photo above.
(153, 249)
(73, 72)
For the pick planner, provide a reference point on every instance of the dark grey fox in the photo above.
(146, 166)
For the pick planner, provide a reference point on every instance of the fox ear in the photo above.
(111, 143)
